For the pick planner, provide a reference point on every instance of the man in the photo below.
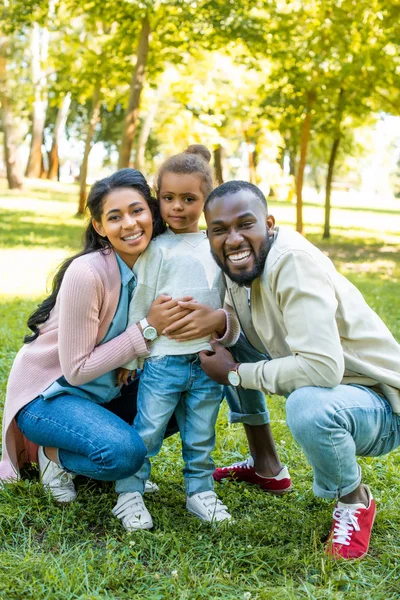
(329, 353)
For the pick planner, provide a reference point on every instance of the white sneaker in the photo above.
(150, 487)
(132, 512)
(55, 479)
(208, 507)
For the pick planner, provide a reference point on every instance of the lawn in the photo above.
(274, 548)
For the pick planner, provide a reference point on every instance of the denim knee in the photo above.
(124, 456)
(302, 414)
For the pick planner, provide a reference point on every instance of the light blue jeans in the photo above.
(91, 440)
(333, 426)
(177, 384)
(246, 406)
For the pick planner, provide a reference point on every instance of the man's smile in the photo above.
(239, 257)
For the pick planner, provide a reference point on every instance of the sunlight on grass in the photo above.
(28, 274)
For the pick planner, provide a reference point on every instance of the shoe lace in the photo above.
(347, 523)
(245, 464)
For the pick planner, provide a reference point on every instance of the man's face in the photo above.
(238, 234)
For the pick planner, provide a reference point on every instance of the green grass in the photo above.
(275, 547)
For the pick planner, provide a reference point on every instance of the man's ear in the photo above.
(270, 221)
(98, 227)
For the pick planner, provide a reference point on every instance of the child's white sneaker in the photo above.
(54, 478)
(132, 512)
(208, 507)
(150, 487)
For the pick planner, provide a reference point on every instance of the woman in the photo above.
(64, 374)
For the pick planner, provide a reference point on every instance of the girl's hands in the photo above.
(200, 321)
(164, 311)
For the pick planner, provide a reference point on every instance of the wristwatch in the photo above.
(149, 332)
(234, 377)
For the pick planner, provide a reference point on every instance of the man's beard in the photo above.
(248, 277)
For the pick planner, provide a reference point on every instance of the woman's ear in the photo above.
(98, 227)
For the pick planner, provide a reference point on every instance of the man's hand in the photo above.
(123, 376)
(218, 363)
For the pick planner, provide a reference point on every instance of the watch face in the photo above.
(234, 378)
(150, 333)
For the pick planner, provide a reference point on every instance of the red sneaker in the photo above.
(351, 529)
(244, 471)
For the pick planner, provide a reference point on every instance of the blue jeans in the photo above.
(177, 384)
(333, 426)
(246, 406)
(91, 440)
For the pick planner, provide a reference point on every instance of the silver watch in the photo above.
(149, 332)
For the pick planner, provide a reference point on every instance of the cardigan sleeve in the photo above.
(232, 327)
(81, 298)
(305, 295)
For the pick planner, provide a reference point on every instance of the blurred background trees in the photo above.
(289, 95)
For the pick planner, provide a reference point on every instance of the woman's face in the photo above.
(127, 222)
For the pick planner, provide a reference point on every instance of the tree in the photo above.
(59, 126)
(132, 111)
(39, 48)
(14, 174)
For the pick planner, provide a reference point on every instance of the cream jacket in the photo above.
(314, 324)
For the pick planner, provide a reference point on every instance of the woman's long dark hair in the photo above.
(92, 241)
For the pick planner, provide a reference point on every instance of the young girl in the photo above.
(64, 375)
(179, 263)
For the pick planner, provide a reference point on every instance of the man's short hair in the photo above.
(232, 187)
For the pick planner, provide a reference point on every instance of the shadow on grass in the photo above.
(356, 249)
(28, 233)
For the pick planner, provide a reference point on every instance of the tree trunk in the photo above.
(58, 129)
(39, 50)
(331, 165)
(132, 112)
(94, 119)
(252, 167)
(304, 139)
(13, 167)
(218, 170)
(292, 162)
(148, 124)
(328, 187)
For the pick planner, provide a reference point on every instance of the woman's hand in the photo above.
(202, 320)
(164, 311)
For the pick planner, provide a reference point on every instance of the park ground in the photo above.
(274, 548)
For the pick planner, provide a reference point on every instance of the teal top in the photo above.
(104, 388)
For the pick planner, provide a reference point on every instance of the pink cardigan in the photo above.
(68, 345)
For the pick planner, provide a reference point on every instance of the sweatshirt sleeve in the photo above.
(306, 297)
(81, 296)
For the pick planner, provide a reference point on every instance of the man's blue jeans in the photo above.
(246, 406)
(91, 440)
(333, 426)
(177, 384)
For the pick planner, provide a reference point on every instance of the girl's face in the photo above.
(127, 222)
(181, 201)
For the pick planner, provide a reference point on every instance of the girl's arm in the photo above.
(81, 299)
(203, 320)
